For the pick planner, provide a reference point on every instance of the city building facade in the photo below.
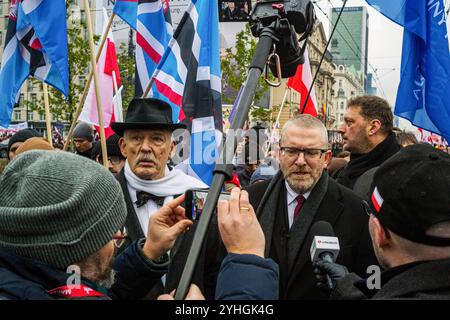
(349, 44)
(346, 86)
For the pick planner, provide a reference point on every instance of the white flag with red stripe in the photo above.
(377, 199)
(301, 82)
(107, 68)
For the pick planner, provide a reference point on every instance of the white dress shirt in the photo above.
(292, 202)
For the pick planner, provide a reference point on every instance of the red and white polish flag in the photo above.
(301, 82)
(107, 68)
(377, 199)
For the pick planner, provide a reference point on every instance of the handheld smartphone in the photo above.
(195, 200)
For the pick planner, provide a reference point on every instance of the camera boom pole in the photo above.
(224, 166)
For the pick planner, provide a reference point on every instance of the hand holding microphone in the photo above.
(324, 251)
(328, 273)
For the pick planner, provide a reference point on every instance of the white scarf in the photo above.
(174, 182)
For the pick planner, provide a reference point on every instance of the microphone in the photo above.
(325, 245)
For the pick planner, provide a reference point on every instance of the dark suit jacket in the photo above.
(207, 269)
(132, 222)
(134, 231)
(340, 207)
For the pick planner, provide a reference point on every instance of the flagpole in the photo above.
(88, 84)
(117, 102)
(96, 82)
(149, 86)
(114, 82)
(282, 105)
(47, 113)
(278, 117)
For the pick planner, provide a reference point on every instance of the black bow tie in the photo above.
(143, 197)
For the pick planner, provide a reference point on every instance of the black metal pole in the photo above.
(224, 166)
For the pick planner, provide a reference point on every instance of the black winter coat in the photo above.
(426, 280)
(360, 163)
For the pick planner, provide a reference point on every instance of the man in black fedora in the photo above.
(146, 143)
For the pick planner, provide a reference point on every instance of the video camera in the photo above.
(288, 18)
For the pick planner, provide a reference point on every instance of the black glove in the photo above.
(327, 274)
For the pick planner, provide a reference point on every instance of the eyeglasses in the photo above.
(309, 154)
(120, 237)
(113, 159)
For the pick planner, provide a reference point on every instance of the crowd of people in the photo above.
(71, 227)
(5, 135)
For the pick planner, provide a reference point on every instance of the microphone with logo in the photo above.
(324, 247)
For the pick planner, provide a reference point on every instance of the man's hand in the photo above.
(193, 294)
(335, 271)
(238, 225)
(164, 227)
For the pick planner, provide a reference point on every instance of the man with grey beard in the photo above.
(301, 194)
(61, 221)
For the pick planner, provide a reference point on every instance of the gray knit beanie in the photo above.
(58, 207)
(84, 131)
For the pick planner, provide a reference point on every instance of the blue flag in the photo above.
(423, 95)
(36, 45)
(152, 22)
(188, 77)
(127, 11)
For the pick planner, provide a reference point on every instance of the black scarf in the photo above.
(86, 154)
(360, 163)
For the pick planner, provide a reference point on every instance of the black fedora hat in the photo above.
(147, 113)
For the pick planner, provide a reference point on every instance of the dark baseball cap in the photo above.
(411, 192)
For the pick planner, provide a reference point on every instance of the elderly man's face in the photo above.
(302, 171)
(147, 152)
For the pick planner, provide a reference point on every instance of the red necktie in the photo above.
(300, 200)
